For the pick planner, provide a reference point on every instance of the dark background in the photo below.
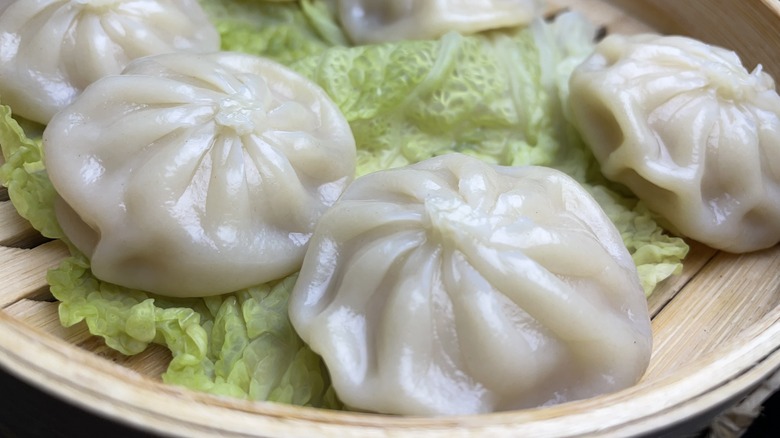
(27, 412)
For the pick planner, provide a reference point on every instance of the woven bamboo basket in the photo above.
(716, 326)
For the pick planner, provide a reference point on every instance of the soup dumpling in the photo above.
(456, 287)
(50, 50)
(197, 174)
(690, 131)
(376, 21)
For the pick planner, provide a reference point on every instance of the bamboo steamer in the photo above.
(716, 326)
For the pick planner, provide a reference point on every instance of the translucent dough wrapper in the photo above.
(455, 287)
(50, 50)
(690, 131)
(194, 175)
(377, 21)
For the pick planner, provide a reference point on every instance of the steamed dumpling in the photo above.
(690, 131)
(453, 287)
(376, 21)
(51, 49)
(194, 175)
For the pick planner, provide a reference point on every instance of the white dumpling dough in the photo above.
(376, 21)
(50, 50)
(454, 287)
(690, 131)
(193, 175)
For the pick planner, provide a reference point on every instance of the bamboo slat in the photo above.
(23, 271)
(750, 27)
(716, 326)
(14, 230)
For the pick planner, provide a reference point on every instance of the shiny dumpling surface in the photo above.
(197, 174)
(454, 287)
(690, 131)
(50, 50)
(376, 21)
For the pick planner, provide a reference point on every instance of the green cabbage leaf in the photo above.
(22, 172)
(282, 31)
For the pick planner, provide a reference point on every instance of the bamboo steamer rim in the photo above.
(85, 380)
(697, 390)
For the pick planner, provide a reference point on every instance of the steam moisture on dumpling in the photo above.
(690, 131)
(194, 175)
(50, 50)
(376, 21)
(453, 287)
